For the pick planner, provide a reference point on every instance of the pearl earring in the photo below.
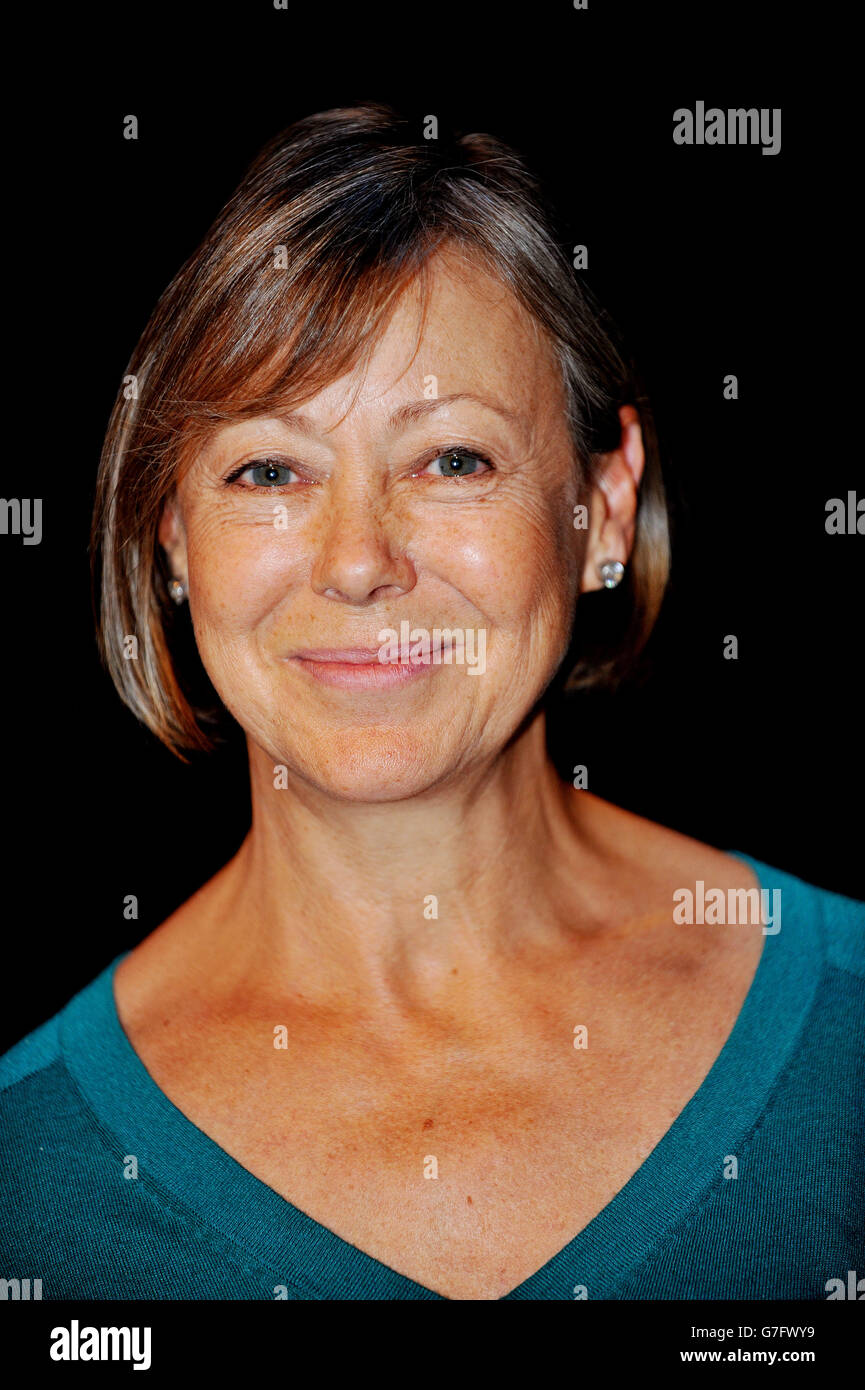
(177, 590)
(611, 572)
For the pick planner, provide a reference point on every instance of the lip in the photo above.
(355, 656)
(358, 668)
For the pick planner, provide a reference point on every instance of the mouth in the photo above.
(359, 668)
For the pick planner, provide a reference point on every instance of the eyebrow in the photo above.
(408, 414)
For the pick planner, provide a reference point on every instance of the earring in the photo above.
(177, 590)
(611, 572)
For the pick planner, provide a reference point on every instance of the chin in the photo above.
(372, 765)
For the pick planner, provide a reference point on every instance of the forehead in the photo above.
(471, 334)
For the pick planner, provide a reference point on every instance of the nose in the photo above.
(360, 557)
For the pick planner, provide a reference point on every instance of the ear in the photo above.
(613, 506)
(172, 537)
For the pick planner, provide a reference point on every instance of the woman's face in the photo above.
(437, 493)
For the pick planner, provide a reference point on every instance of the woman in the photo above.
(444, 1027)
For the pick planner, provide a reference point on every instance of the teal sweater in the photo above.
(80, 1115)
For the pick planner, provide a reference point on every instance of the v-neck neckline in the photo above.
(305, 1254)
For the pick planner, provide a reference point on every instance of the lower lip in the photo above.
(367, 675)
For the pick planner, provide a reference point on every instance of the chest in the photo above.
(465, 1171)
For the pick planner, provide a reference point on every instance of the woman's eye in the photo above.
(457, 463)
(268, 474)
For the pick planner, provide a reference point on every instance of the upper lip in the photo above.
(358, 656)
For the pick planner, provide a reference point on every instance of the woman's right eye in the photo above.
(268, 474)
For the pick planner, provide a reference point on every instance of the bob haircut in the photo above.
(291, 288)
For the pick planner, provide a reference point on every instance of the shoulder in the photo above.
(34, 1054)
(40, 1112)
(30, 1067)
(662, 861)
(57, 1159)
(43, 1112)
(843, 923)
(825, 922)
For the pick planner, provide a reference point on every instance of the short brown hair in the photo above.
(291, 286)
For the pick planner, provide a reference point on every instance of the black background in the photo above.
(715, 260)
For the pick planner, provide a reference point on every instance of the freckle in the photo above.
(427, 1124)
(470, 1202)
(455, 971)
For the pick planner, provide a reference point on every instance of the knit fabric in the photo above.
(756, 1191)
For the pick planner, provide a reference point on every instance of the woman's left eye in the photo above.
(455, 461)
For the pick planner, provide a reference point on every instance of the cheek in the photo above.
(517, 565)
(238, 573)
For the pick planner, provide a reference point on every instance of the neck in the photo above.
(383, 899)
